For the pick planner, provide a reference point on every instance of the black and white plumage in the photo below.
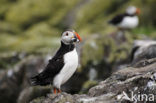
(127, 20)
(63, 65)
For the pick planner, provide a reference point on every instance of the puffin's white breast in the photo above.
(70, 65)
(129, 22)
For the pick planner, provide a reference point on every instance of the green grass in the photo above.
(148, 31)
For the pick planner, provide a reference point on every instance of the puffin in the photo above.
(62, 65)
(127, 20)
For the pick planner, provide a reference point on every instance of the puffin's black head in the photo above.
(70, 37)
(132, 10)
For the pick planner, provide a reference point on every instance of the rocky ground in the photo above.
(140, 79)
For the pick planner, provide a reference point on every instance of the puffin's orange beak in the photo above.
(78, 36)
(138, 11)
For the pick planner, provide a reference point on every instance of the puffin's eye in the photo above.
(66, 34)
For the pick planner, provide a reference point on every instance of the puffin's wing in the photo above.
(117, 19)
(46, 77)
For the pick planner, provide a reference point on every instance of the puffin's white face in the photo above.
(132, 10)
(70, 37)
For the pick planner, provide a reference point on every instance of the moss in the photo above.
(36, 23)
(65, 7)
(32, 11)
(28, 43)
(92, 50)
(91, 12)
(7, 27)
(38, 100)
(43, 29)
(4, 6)
(66, 99)
(106, 48)
(29, 10)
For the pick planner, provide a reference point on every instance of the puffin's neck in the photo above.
(67, 47)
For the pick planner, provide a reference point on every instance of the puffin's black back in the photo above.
(117, 19)
(54, 66)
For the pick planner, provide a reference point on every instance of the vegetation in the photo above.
(35, 25)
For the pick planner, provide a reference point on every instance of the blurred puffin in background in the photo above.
(62, 66)
(127, 20)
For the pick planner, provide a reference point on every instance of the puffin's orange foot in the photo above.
(55, 91)
(59, 91)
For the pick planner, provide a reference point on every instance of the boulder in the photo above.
(15, 81)
(143, 49)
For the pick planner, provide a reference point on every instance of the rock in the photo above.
(12, 59)
(127, 80)
(14, 80)
(30, 93)
(67, 98)
(143, 50)
(118, 88)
